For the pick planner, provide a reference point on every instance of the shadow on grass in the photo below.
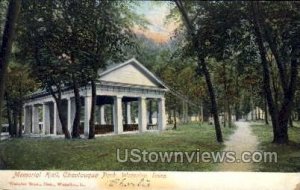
(100, 153)
(288, 155)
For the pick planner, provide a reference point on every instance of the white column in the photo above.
(142, 114)
(46, 119)
(69, 116)
(128, 113)
(112, 114)
(162, 114)
(117, 115)
(87, 114)
(102, 115)
(35, 120)
(54, 118)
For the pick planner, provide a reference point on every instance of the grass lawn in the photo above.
(288, 155)
(100, 153)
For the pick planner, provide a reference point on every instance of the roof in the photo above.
(114, 67)
(140, 66)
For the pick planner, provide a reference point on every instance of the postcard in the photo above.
(149, 94)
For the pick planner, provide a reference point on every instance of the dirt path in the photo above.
(241, 140)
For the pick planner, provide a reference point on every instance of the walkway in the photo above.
(241, 140)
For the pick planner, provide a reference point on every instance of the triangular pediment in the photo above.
(131, 72)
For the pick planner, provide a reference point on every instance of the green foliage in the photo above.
(3, 10)
(19, 84)
(70, 39)
(62, 40)
(224, 32)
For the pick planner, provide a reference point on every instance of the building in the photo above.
(121, 87)
(255, 114)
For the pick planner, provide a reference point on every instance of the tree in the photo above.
(19, 84)
(274, 34)
(198, 47)
(282, 36)
(77, 38)
(39, 42)
(7, 41)
(112, 34)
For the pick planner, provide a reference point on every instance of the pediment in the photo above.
(131, 73)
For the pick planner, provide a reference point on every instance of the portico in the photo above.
(123, 93)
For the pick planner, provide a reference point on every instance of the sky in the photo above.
(156, 14)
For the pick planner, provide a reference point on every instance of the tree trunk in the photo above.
(187, 112)
(237, 103)
(181, 113)
(76, 122)
(275, 87)
(281, 136)
(202, 64)
(266, 72)
(184, 112)
(170, 116)
(10, 124)
(291, 122)
(225, 107)
(287, 106)
(199, 118)
(266, 112)
(15, 123)
(229, 116)
(228, 111)
(237, 111)
(93, 106)
(62, 118)
(175, 121)
(252, 104)
(7, 41)
(60, 111)
(288, 82)
(20, 123)
(214, 107)
(20, 111)
(224, 119)
(201, 111)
